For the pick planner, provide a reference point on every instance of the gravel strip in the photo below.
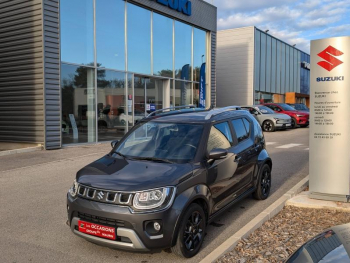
(279, 237)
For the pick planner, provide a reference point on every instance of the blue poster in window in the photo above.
(202, 87)
(152, 107)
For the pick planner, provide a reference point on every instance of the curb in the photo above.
(257, 222)
(22, 150)
(303, 201)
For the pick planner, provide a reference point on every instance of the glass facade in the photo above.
(278, 69)
(120, 62)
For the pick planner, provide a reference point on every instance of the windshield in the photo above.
(174, 142)
(301, 107)
(286, 107)
(265, 110)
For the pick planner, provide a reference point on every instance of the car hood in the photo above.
(278, 115)
(119, 174)
(302, 112)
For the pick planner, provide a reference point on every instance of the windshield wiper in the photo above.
(120, 154)
(153, 159)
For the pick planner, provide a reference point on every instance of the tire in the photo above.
(304, 126)
(264, 183)
(294, 123)
(268, 126)
(190, 230)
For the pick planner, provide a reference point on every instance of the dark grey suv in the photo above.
(170, 176)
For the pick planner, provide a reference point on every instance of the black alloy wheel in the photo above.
(268, 126)
(264, 183)
(191, 232)
(294, 123)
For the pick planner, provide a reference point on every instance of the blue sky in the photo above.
(293, 21)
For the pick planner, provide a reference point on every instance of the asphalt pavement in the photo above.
(33, 189)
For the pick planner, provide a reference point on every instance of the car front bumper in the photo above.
(130, 227)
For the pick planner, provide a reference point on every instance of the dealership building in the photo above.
(254, 67)
(84, 71)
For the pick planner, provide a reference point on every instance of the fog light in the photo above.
(156, 226)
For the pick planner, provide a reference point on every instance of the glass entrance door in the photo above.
(150, 94)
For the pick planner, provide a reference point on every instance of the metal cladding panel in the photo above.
(213, 69)
(203, 14)
(52, 74)
(21, 72)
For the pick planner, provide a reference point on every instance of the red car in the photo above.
(300, 118)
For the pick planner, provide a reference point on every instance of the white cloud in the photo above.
(293, 21)
(335, 30)
(247, 5)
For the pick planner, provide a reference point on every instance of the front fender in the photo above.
(198, 193)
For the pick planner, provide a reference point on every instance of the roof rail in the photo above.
(177, 108)
(215, 112)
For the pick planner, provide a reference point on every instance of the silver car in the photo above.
(268, 119)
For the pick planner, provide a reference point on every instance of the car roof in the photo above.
(197, 117)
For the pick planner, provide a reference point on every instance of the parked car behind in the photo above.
(299, 107)
(331, 246)
(168, 178)
(300, 118)
(268, 119)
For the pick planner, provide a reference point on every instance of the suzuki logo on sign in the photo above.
(184, 6)
(329, 55)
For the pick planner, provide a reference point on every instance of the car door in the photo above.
(221, 172)
(246, 153)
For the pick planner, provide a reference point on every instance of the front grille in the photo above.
(101, 220)
(105, 196)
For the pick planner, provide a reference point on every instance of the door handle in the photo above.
(237, 159)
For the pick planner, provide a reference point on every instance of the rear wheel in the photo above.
(294, 123)
(268, 126)
(264, 183)
(191, 232)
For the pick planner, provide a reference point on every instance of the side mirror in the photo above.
(256, 113)
(217, 154)
(114, 143)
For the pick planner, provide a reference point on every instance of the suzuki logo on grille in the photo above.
(328, 55)
(100, 195)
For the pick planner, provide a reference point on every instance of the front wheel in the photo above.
(268, 126)
(294, 123)
(264, 183)
(191, 232)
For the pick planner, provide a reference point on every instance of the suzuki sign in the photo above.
(330, 119)
(183, 6)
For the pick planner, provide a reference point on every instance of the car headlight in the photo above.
(157, 198)
(300, 115)
(74, 189)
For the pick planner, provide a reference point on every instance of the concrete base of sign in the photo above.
(330, 197)
(303, 200)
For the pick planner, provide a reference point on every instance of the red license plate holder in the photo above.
(97, 230)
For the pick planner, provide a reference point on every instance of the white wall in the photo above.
(235, 67)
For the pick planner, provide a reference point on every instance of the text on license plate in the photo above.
(97, 230)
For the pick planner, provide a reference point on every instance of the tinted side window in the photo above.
(220, 136)
(240, 129)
